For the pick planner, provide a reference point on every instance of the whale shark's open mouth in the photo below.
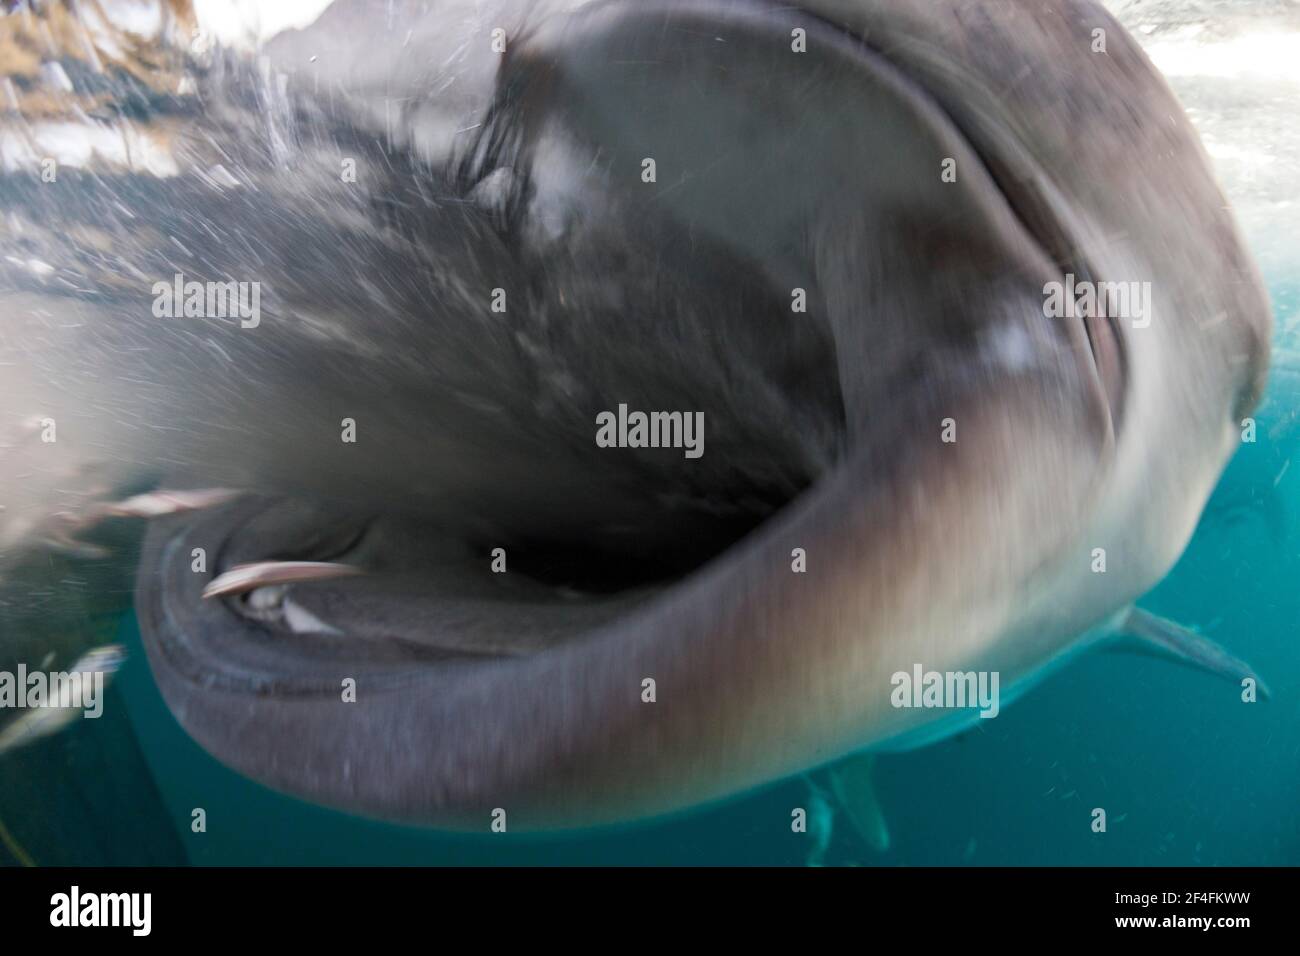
(543, 522)
(584, 535)
(537, 448)
(289, 594)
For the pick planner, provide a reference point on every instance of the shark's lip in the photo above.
(1033, 195)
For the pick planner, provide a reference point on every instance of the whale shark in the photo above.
(389, 567)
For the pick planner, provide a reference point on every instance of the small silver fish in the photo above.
(41, 722)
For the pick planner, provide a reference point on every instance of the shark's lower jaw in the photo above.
(302, 684)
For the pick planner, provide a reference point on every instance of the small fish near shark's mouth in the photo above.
(470, 604)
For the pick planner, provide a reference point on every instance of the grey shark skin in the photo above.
(776, 170)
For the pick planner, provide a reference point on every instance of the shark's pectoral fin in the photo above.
(853, 785)
(1145, 632)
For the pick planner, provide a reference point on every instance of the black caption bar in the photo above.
(330, 905)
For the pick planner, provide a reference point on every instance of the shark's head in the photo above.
(820, 244)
